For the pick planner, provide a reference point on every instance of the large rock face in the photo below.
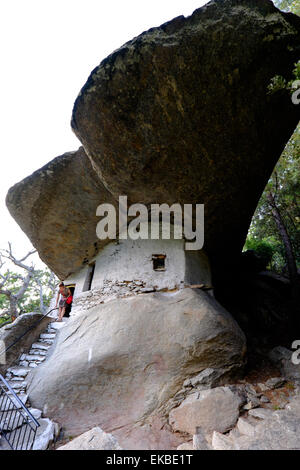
(211, 410)
(277, 430)
(95, 439)
(56, 207)
(120, 365)
(182, 114)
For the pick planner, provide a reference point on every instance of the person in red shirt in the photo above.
(64, 297)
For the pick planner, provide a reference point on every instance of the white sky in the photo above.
(48, 49)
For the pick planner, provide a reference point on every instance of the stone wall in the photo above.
(125, 268)
(11, 332)
(113, 290)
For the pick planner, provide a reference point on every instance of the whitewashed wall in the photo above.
(126, 268)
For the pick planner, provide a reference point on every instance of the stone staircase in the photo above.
(16, 378)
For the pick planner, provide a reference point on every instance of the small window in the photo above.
(89, 277)
(159, 262)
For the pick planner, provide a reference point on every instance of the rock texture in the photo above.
(212, 410)
(95, 439)
(119, 365)
(283, 358)
(12, 423)
(10, 333)
(182, 114)
(56, 207)
(277, 430)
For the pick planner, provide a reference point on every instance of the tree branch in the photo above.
(23, 289)
(42, 305)
(8, 254)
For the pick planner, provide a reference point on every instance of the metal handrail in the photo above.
(17, 425)
(19, 435)
(27, 331)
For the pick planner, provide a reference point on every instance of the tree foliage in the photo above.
(284, 185)
(30, 301)
(288, 5)
(276, 222)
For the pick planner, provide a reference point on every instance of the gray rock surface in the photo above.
(10, 420)
(119, 365)
(186, 446)
(10, 333)
(23, 440)
(212, 410)
(95, 439)
(282, 357)
(207, 378)
(44, 435)
(7, 405)
(13, 418)
(277, 430)
(67, 181)
(275, 382)
(200, 441)
(261, 413)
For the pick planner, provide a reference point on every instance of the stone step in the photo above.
(17, 385)
(39, 352)
(47, 336)
(10, 420)
(33, 365)
(51, 331)
(10, 404)
(24, 364)
(34, 357)
(40, 346)
(48, 342)
(58, 325)
(11, 378)
(44, 436)
(18, 371)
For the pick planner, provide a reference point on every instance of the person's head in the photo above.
(61, 286)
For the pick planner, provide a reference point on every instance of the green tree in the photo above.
(24, 291)
(288, 5)
(277, 217)
(263, 247)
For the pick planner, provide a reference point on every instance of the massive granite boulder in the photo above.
(56, 208)
(122, 364)
(181, 113)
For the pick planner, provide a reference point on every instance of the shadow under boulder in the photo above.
(119, 365)
(260, 301)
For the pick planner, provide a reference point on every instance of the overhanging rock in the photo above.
(181, 114)
(56, 208)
